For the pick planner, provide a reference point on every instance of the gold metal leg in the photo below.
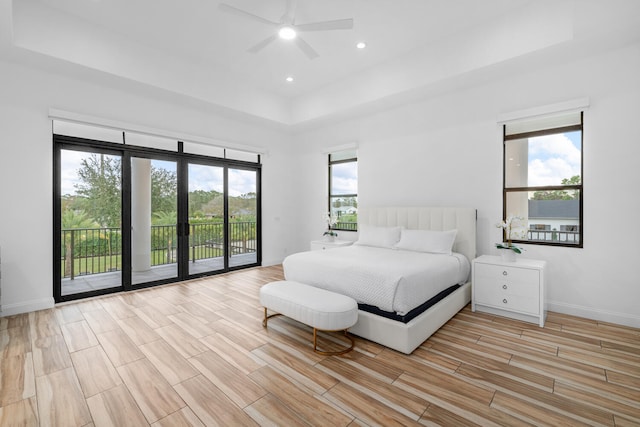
(331, 353)
(315, 337)
(264, 321)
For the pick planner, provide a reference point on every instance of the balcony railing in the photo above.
(347, 226)
(569, 237)
(99, 250)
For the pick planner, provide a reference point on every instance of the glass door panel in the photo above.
(154, 219)
(206, 219)
(243, 214)
(90, 222)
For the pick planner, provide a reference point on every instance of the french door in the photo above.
(130, 217)
(88, 223)
(205, 228)
(153, 212)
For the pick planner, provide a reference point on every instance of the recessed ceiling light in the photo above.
(289, 79)
(361, 45)
(287, 33)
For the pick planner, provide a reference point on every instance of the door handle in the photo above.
(187, 226)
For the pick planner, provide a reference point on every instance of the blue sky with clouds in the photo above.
(344, 178)
(553, 158)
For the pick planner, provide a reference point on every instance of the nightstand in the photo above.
(321, 245)
(511, 289)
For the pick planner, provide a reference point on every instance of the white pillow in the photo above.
(432, 241)
(382, 237)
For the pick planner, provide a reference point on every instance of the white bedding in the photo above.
(391, 279)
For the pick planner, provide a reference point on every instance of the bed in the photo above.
(392, 286)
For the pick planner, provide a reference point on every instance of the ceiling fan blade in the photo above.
(257, 48)
(239, 12)
(339, 24)
(290, 13)
(306, 48)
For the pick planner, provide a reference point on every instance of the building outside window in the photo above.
(343, 189)
(543, 178)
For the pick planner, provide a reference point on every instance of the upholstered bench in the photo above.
(321, 309)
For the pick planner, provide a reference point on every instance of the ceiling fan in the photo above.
(288, 29)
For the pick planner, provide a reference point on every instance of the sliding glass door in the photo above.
(88, 217)
(154, 220)
(242, 217)
(206, 225)
(130, 217)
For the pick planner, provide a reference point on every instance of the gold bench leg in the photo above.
(315, 337)
(266, 318)
(331, 353)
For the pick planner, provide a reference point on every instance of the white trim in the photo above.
(337, 148)
(69, 116)
(27, 306)
(594, 313)
(545, 110)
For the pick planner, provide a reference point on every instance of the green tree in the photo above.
(560, 194)
(202, 202)
(243, 206)
(99, 189)
(164, 185)
(165, 218)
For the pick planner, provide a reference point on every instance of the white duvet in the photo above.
(391, 279)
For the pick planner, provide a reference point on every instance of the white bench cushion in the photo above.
(318, 308)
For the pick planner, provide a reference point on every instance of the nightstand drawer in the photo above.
(511, 302)
(502, 289)
(497, 296)
(506, 274)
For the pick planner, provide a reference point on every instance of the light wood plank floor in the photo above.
(196, 353)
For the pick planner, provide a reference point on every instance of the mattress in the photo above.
(392, 280)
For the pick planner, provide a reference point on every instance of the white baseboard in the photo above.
(26, 306)
(595, 313)
(270, 262)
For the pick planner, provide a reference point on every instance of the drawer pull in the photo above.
(504, 273)
(504, 300)
(504, 286)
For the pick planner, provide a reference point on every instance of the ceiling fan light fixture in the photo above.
(287, 33)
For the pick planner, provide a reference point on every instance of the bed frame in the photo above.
(406, 337)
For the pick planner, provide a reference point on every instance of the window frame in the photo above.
(332, 196)
(577, 187)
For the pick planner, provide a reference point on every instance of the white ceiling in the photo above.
(199, 32)
(191, 48)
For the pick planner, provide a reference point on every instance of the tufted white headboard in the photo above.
(427, 218)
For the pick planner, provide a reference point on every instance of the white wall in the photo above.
(447, 150)
(26, 169)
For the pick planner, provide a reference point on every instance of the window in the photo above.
(343, 189)
(543, 178)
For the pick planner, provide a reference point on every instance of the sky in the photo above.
(344, 179)
(207, 178)
(553, 158)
